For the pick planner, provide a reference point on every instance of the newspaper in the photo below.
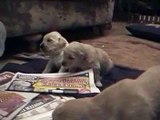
(41, 107)
(5, 79)
(11, 103)
(79, 83)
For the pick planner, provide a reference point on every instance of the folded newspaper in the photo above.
(11, 103)
(41, 107)
(5, 79)
(80, 83)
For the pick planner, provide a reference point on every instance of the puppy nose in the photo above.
(42, 45)
(63, 63)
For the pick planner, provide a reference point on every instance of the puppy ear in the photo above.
(62, 41)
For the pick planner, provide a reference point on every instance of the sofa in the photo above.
(24, 17)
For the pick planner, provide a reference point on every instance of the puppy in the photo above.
(52, 45)
(3, 35)
(78, 56)
(126, 100)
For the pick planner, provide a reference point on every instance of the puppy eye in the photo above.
(49, 40)
(71, 57)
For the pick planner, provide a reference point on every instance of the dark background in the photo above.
(125, 8)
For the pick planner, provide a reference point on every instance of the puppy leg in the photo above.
(48, 67)
(96, 70)
(97, 78)
(62, 69)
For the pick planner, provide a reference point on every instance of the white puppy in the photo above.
(78, 56)
(126, 100)
(52, 45)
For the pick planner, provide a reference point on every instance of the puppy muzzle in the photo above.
(42, 47)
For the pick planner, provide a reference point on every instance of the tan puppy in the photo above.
(126, 100)
(52, 45)
(79, 56)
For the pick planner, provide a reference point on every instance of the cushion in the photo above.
(146, 31)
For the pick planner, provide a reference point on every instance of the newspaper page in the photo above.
(5, 79)
(11, 103)
(79, 83)
(41, 107)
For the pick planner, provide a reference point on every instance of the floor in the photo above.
(127, 50)
(123, 48)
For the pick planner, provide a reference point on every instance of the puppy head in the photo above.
(53, 42)
(73, 55)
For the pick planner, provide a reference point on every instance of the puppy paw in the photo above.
(99, 84)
